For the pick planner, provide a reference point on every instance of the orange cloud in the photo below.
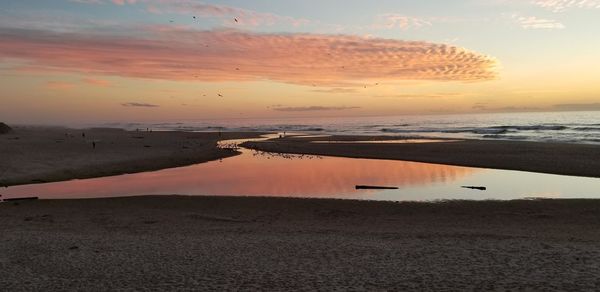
(59, 85)
(96, 82)
(314, 108)
(139, 104)
(224, 55)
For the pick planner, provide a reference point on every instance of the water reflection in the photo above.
(256, 173)
(395, 141)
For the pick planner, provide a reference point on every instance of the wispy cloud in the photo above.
(314, 108)
(138, 104)
(577, 106)
(123, 2)
(424, 95)
(484, 107)
(336, 90)
(399, 21)
(87, 1)
(243, 17)
(562, 5)
(226, 55)
(532, 22)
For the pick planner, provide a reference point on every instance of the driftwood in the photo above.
(475, 188)
(21, 199)
(375, 188)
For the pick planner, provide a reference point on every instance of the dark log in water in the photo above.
(475, 188)
(375, 188)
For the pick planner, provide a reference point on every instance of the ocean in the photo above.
(568, 127)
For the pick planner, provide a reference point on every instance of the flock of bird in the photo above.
(268, 155)
(233, 146)
(236, 20)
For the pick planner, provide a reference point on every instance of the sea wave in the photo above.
(543, 127)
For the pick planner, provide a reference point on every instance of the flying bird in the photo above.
(236, 20)
(220, 95)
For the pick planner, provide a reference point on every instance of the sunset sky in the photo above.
(87, 61)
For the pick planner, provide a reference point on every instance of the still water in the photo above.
(267, 174)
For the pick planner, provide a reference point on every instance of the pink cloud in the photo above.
(223, 55)
(123, 2)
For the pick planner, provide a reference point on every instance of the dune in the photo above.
(4, 128)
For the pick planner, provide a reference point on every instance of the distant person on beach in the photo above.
(93, 145)
(83, 134)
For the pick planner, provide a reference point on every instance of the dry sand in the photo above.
(223, 243)
(38, 154)
(555, 158)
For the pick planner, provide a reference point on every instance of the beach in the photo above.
(544, 157)
(178, 242)
(46, 154)
(227, 243)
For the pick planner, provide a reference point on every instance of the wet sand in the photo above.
(225, 243)
(554, 158)
(44, 154)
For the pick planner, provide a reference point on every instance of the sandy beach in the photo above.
(242, 243)
(225, 243)
(45, 154)
(554, 158)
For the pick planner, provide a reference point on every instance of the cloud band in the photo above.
(170, 53)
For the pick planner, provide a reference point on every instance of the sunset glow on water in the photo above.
(267, 174)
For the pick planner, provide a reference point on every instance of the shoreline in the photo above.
(541, 157)
(50, 154)
(240, 243)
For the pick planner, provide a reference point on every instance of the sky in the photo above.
(90, 61)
